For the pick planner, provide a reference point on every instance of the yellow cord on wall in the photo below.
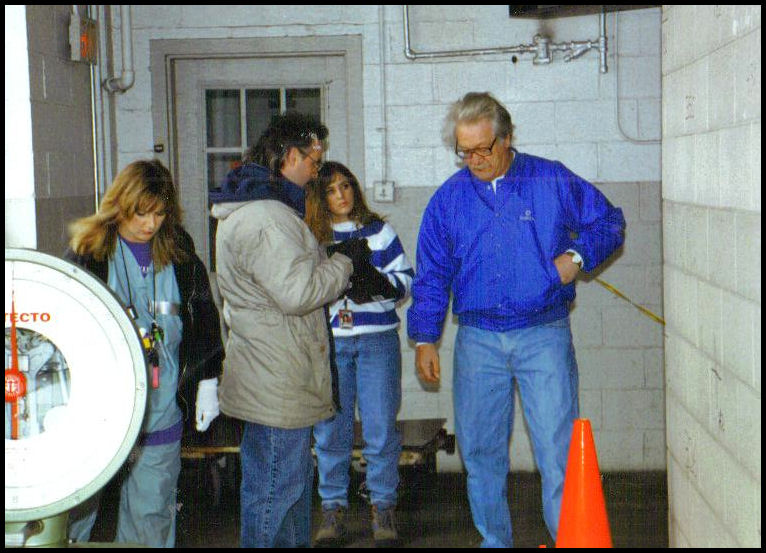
(623, 296)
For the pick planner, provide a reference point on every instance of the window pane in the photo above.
(260, 106)
(305, 100)
(218, 165)
(223, 121)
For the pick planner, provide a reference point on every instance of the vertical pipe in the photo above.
(128, 76)
(602, 39)
(100, 105)
(383, 103)
(95, 90)
(406, 21)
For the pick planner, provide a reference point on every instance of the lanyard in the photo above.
(131, 309)
(153, 341)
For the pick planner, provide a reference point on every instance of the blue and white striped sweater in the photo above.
(389, 258)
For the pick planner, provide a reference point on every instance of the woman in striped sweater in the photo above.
(368, 355)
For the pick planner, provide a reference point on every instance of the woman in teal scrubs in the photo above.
(135, 244)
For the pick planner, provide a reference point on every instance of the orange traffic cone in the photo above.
(583, 521)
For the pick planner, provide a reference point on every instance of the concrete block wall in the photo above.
(565, 111)
(62, 135)
(711, 201)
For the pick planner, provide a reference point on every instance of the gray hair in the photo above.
(473, 107)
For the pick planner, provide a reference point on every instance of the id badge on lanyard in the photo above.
(346, 317)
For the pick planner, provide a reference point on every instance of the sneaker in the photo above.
(332, 531)
(383, 527)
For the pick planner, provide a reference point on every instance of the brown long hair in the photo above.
(143, 186)
(318, 216)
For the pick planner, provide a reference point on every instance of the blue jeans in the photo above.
(277, 485)
(541, 359)
(370, 371)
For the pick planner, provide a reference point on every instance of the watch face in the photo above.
(75, 385)
(575, 258)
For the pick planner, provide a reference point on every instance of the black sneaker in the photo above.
(332, 530)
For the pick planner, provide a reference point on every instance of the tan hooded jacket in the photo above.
(275, 280)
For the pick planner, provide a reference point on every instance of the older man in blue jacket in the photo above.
(507, 235)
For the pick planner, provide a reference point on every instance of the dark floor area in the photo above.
(433, 509)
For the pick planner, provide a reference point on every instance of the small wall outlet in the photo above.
(383, 190)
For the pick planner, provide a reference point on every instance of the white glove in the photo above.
(207, 403)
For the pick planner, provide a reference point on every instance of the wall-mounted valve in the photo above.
(542, 50)
(577, 49)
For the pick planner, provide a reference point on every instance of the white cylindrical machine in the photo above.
(75, 391)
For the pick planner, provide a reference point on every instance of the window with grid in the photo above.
(235, 119)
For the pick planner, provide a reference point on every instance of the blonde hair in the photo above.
(142, 186)
(318, 216)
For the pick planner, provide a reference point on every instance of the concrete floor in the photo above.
(433, 509)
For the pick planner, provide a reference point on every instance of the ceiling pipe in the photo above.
(542, 47)
(126, 80)
(410, 54)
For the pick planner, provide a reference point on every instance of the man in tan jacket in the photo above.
(274, 281)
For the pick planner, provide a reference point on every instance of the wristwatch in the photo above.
(576, 257)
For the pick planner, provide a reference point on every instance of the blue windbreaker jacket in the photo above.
(495, 251)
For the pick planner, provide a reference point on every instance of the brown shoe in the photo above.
(332, 530)
(384, 527)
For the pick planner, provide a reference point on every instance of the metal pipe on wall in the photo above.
(101, 106)
(127, 78)
(542, 46)
(383, 103)
(617, 91)
(94, 122)
(95, 100)
(410, 54)
(602, 39)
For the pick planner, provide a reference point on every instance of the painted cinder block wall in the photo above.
(565, 111)
(708, 217)
(59, 100)
(711, 201)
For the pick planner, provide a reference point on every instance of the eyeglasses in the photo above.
(309, 135)
(316, 162)
(482, 152)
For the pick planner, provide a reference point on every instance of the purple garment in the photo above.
(142, 251)
(162, 437)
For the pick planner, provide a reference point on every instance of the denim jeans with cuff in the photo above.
(370, 373)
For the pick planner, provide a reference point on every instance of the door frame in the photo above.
(164, 53)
